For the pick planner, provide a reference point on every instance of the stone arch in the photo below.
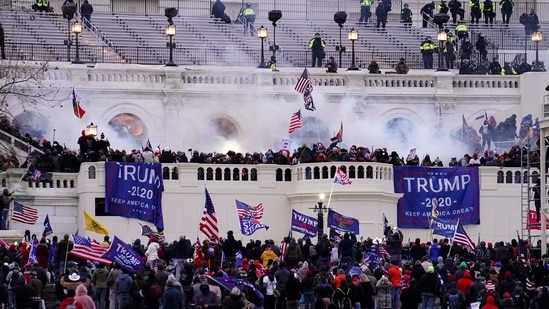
(128, 125)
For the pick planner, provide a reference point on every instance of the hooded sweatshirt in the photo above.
(490, 303)
(83, 298)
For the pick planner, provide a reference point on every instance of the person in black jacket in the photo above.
(410, 297)
(381, 14)
(86, 10)
(427, 13)
(218, 9)
(429, 285)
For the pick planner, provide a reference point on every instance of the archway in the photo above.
(400, 129)
(128, 125)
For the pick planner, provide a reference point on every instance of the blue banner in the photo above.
(248, 226)
(304, 224)
(134, 190)
(123, 255)
(341, 223)
(444, 227)
(454, 192)
(32, 253)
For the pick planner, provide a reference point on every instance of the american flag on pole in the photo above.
(304, 86)
(208, 223)
(89, 250)
(295, 122)
(341, 178)
(461, 238)
(245, 211)
(24, 214)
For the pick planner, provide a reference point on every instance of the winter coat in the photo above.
(383, 297)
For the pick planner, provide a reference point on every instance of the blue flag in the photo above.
(47, 227)
(32, 254)
(123, 255)
(455, 192)
(249, 220)
(342, 223)
(444, 227)
(238, 261)
(304, 224)
(134, 190)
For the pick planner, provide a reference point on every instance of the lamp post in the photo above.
(91, 129)
(340, 18)
(353, 36)
(442, 37)
(262, 35)
(536, 38)
(274, 16)
(170, 31)
(77, 29)
(320, 209)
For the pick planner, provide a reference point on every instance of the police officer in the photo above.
(427, 13)
(449, 51)
(442, 7)
(489, 11)
(456, 10)
(476, 11)
(365, 11)
(406, 16)
(248, 14)
(317, 45)
(507, 8)
(461, 31)
(427, 48)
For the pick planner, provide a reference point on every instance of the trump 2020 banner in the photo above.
(124, 255)
(444, 227)
(455, 192)
(134, 190)
(342, 223)
(304, 224)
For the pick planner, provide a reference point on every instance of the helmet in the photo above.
(317, 35)
(248, 4)
(13, 266)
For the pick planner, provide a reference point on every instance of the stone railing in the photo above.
(191, 173)
(346, 82)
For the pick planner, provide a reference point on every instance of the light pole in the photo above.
(320, 209)
(262, 35)
(274, 16)
(536, 38)
(340, 18)
(170, 31)
(442, 37)
(353, 36)
(91, 129)
(77, 29)
(68, 9)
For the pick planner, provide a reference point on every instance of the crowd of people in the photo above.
(339, 272)
(480, 144)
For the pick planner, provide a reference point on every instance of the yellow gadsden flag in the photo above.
(92, 225)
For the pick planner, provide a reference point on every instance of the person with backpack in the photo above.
(453, 298)
(11, 278)
(342, 296)
(323, 249)
(293, 254)
(124, 288)
(428, 285)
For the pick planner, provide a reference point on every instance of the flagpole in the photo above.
(317, 130)
(452, 241)
(330, 196)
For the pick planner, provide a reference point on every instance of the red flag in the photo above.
(198, 257)
(78, 111)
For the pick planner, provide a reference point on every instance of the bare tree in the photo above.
(25, 86)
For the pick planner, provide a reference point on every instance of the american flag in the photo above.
(146, 230)
(370, 257)
(245, 211)
(341, 178)
(89, 250)
(24, 214)
(208, 223)
(295, 122)
(383, 252)
(530, 285)
(304, 86)
(461, 238)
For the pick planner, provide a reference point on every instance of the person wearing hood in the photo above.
(22, 294)
(475, 288)
(507, 285)
(99, 282)
(152, 250)
(464, 282)
(293, 255)
(453, 295)
(230, 248)
(83, 298)
(491, 303)
(204, 298)
(428, 285)
(383, 298)
(173, 295)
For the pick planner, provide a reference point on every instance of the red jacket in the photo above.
(394, 276)
(42, 255)
(490, 303)
(464, 282)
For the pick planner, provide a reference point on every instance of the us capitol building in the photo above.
(247, 109)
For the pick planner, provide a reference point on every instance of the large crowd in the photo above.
(340, 272)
